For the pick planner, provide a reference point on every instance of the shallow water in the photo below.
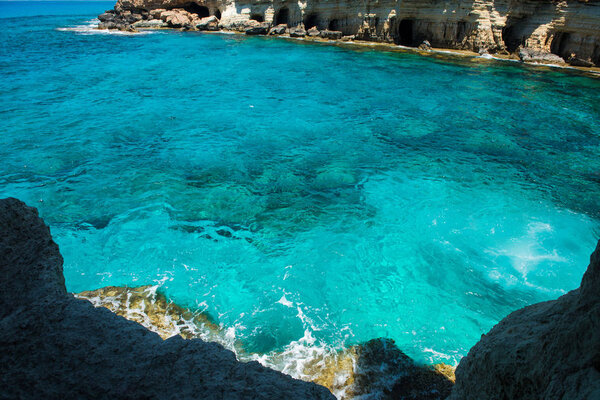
(297, 190)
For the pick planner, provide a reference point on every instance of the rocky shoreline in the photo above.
(543, 32)
(55, 345)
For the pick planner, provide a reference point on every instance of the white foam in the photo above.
(91, 28)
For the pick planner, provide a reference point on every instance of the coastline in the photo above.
(346, 372)
(440, 53)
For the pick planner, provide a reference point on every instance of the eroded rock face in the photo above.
(569, 29)
(549, 350)
(53, 345)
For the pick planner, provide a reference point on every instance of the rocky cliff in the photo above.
(53, 345)
(567, 29)
(549, 350)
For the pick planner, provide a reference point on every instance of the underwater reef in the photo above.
(539, 31)
(54, 344)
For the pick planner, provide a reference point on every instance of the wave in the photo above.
(368, 370)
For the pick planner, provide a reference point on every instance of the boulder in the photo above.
(297, 32)
(278, 30)
(578, 62)
(261, 29)
(425, 45)
(151, 23)
(313, 32)
(333, 35)
(539, 56)
(177, 20)
(347, 38)
(549, 350)
(156, 13)
(208, 24)
(105, 17)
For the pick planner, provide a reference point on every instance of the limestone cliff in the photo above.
(569, 29)
(55, 346)
(549, 350)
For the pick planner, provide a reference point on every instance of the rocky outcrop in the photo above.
(375, 369)
(549, 350)
(569, 29)
(53, 345)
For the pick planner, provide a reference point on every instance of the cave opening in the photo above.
(257, 17)
(461, 31)
(334, 25)
(282, 16)
(406, 34)
(311, 20)
(559, 44)
(218, 13)
(513, 34)
(195, 8)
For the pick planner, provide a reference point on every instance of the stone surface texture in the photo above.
(53, 345)
(569, 29)
(549, 350)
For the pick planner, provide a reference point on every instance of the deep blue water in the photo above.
(294, 189)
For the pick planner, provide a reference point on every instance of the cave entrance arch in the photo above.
(311, 20)
(406, 32)
(334, 25)
(195, 8)
(559, 44)
(257, 17)
(513, 34)
(282, 16)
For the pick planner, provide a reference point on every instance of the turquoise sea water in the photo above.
(296, 190)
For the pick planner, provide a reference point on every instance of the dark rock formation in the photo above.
(278, 30)
(55, 346)
(297, 32)
(332, 35)
(539, 56)
(549, 350)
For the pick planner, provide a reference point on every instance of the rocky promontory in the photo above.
(542, 31)
(548, 350)
(53, 345)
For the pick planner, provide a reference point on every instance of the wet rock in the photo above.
(297, 32)
(539, 56)
(313, 32)
(53, 345)
(578, 62)
(549, 350)
(347, 38)
(261, 29)
(151, 23)
(208, 24)
(105, 17)
(425, 45)
(332, 35)
(278, 30)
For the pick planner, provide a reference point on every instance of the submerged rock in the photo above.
(53, 345)
(549, 350)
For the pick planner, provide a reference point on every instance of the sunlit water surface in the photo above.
(299, 190)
